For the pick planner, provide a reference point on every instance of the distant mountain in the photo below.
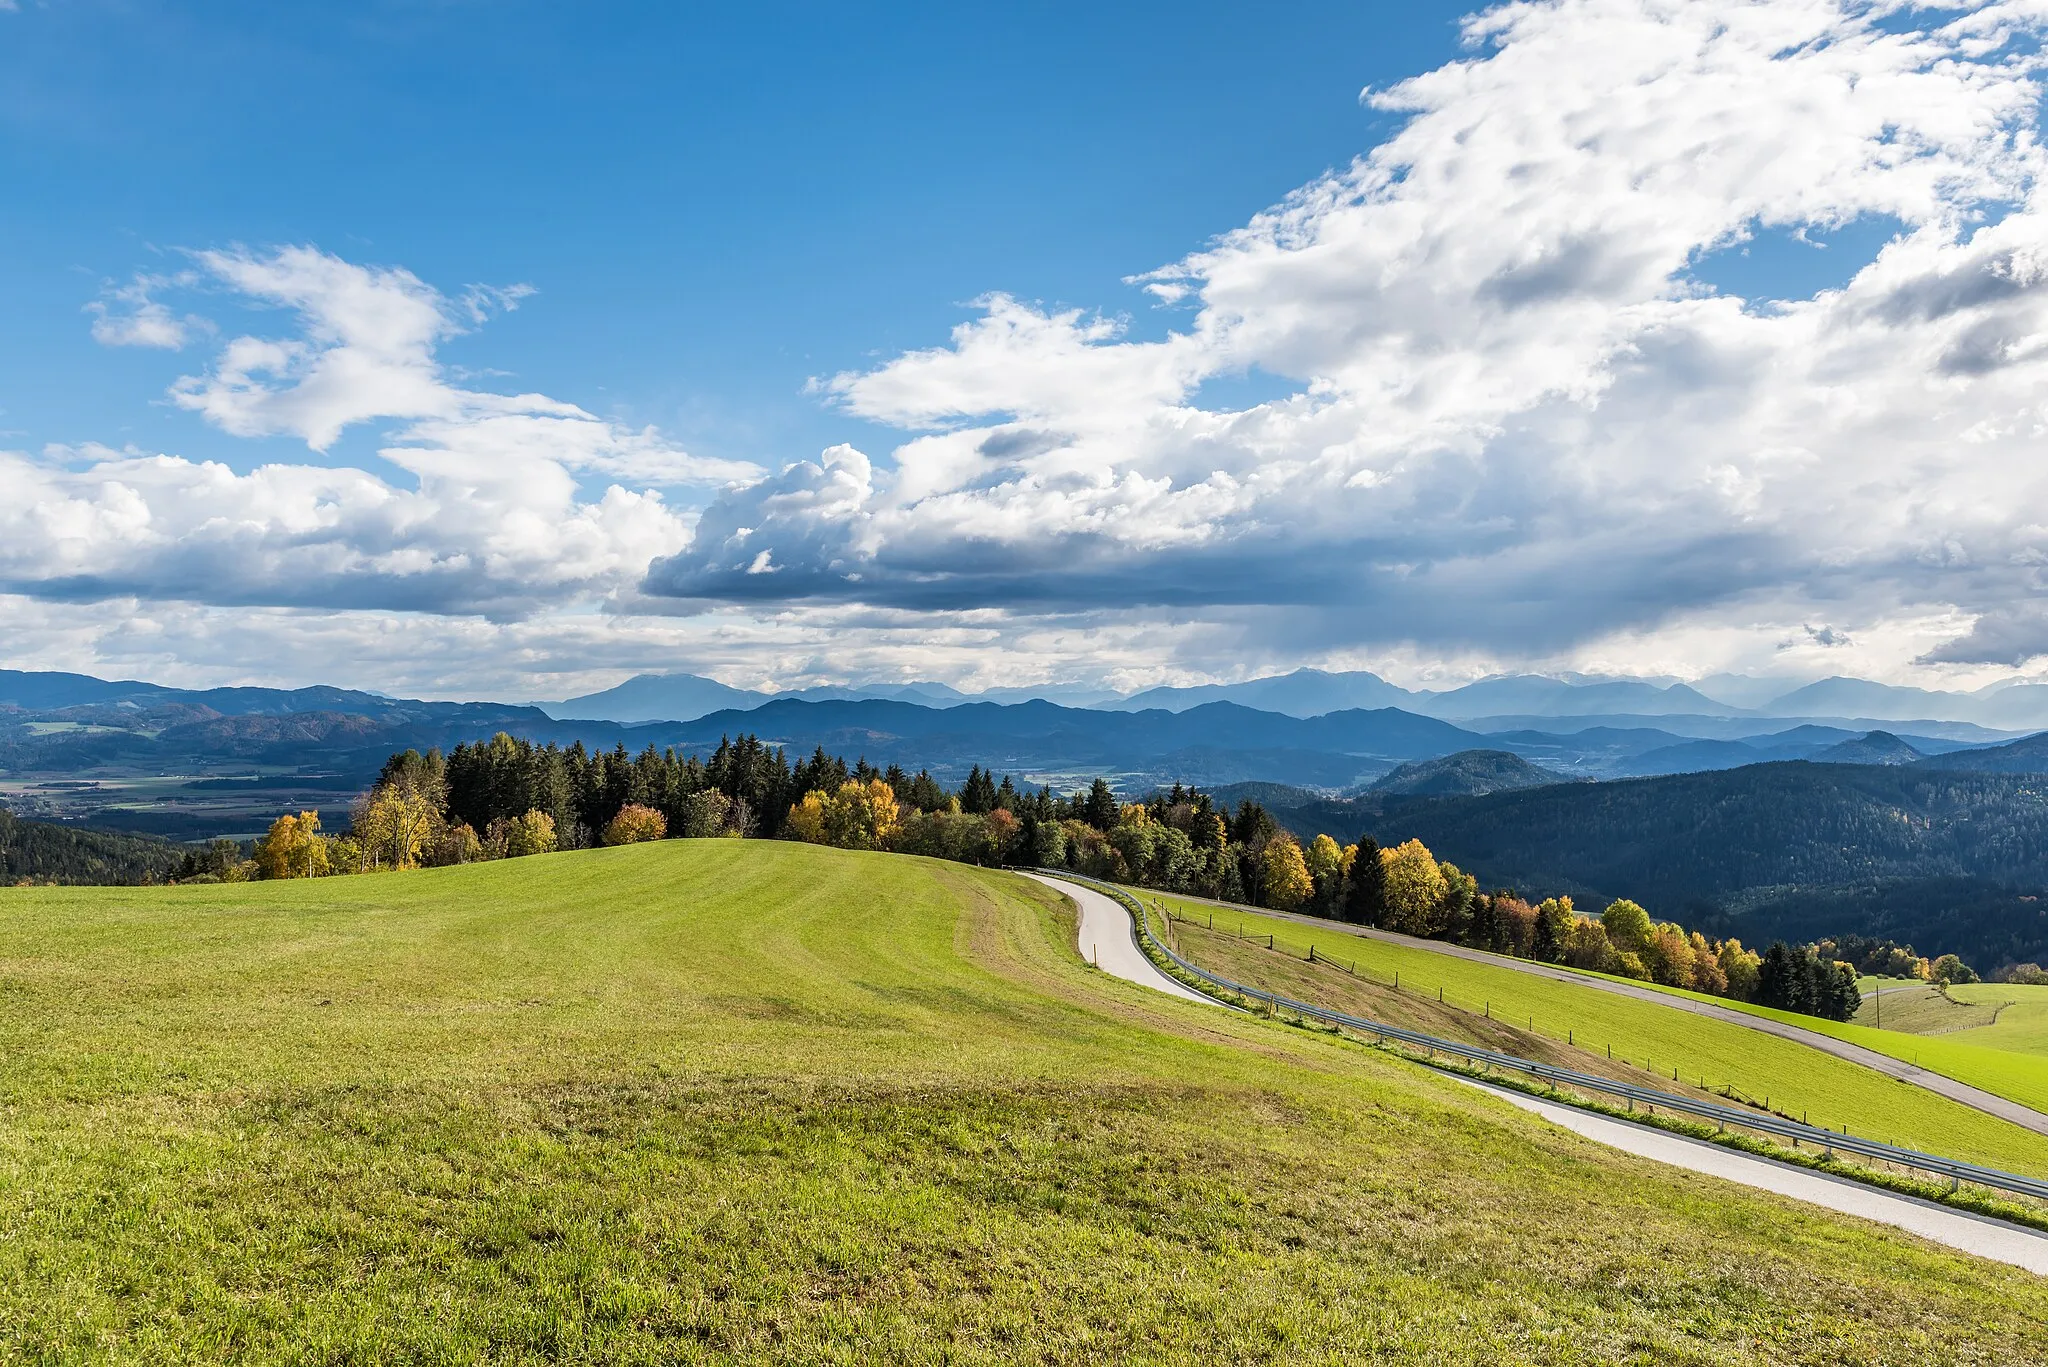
(1465, 774)
(37, 690)
(655, 697)
(1535, 695)
(686, 697)
(2017, 706)
(1303, 693)
(1748, 691)
(1878, 747)
(1844, 697)
(2028, 755)
(45, 692)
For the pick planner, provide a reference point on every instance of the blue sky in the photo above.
(473, 349)
(715, 203)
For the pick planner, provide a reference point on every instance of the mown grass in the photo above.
(714, 1101)
(1922, 1009)
(2013, 1064)
(2022, 1016)
(1796, 1080)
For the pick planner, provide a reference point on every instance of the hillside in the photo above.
(731, 1101)
(44, 852)
(1949, 861)
(1467, 773)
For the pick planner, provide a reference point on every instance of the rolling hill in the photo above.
(719, 1100)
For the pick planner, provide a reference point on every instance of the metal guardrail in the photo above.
(1761, 1122)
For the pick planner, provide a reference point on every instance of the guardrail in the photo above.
(1761, 1122)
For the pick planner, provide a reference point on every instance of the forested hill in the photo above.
(1943, 859)
(49, 853)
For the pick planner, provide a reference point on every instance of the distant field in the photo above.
(1797, 1080)
(2021, 1027)
(722, 1101)
(2009, 1059)
(1921, 1009)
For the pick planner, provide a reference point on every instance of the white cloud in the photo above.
(129, 315)
(1519, 429)
(494, 519)
(1520, 424)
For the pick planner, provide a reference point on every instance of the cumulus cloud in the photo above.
(130, 315)
(493, 520)
(1521, 422)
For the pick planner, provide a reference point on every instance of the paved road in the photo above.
(1992, 1239)
(1992, 1104)
(1109, 939)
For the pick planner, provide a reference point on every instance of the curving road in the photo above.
(1108, 938)
(1990, 1103)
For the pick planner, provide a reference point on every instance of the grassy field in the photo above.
(1797, 1080)
(725, 1101)
(2021, 1027)
(2008, 1058)
(1922, 1009)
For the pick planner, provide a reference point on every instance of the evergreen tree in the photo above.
(1365, 891)
(978, 794)
(1100, 809)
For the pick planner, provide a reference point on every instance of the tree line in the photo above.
(505, 797)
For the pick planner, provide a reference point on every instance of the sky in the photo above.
(470, 349)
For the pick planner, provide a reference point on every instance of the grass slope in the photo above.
(2013, 1064)
(2021, 1026)
(1797, 1080)
(721, 1101)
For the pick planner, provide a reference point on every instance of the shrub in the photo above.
(634, 825)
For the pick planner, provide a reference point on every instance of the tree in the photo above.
(456, 844)
(705, 814)
(862, 815)
(512, 837)
(1586, 945)
(1668, 956)
(1288, 884)
(1628, 926)
(1365, 891)
(806, 820)
(292, 848)
(1415, 887)
(978, 794)
(1741, 967)
(399, 818)
(1553, 930)
(1950, 969)
(1100, 809)
(634, 825)
(1325, 860)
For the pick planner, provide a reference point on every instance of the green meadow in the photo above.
(722, 1101)
(2004, 1052)
(1655, 1040)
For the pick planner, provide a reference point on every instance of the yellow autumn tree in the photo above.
(1288, 884)
(862, 816)
(1415, 887)
(806, 819)
(635, 824)
(293, 848)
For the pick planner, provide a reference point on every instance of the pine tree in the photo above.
(1365, 891)
(1100, 809)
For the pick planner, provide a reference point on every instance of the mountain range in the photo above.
(1492, 704)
